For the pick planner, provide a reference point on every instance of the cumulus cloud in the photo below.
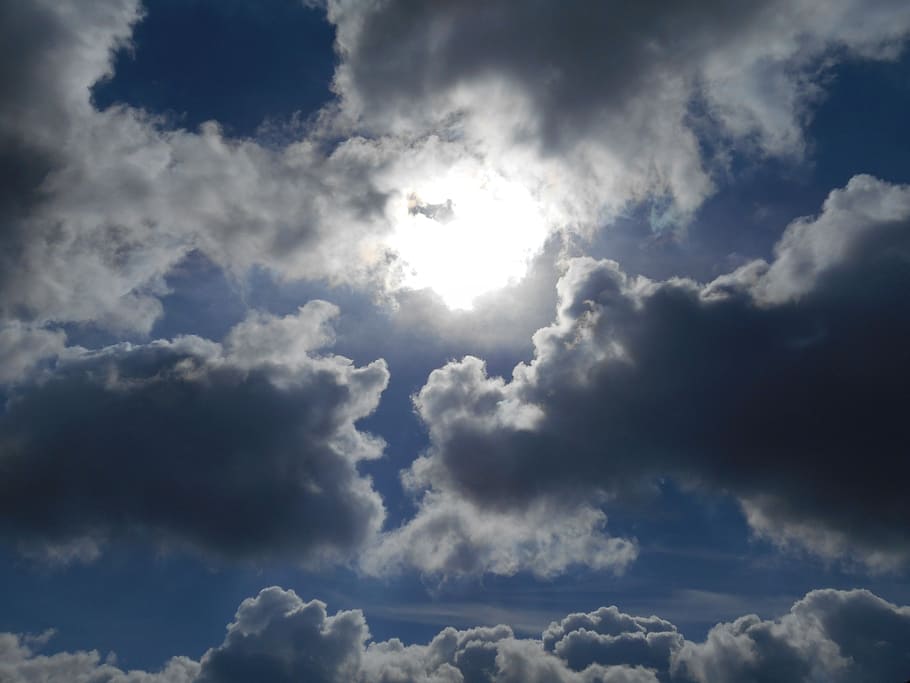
(602, 105)
(23, 346)
(451, 538)
(21, 663)
(837, 636)
(246, 449)
(608, 636)
(135, 201)
(97, 206)
(781, 383)
(828, 635)
(278, 637)
(586, 109)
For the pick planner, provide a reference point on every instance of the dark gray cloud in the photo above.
(828, 635)
(22, 346)
(244, 450)
(603, 103)
(97, 207)
(782, 383)
(275, 637)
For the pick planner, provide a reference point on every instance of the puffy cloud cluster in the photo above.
(607, 636)
(586, 108)
(20, 663)
(450, 537)
(781, 383)
(23, 346)
(246, 449)
(598, 105)
(836, 636)
(828, 635)
(98, 206)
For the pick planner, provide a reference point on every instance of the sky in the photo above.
(384, 341)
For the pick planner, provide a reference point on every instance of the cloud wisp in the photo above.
(769, 383)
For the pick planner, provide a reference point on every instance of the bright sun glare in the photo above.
(467, 234)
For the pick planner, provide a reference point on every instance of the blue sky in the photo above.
(233, 355)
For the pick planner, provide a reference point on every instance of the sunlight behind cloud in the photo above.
(466, 234)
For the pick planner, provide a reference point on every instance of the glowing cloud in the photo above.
(466, 234)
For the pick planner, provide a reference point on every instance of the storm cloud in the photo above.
(607, 103)
(245, 450)
(782, 383)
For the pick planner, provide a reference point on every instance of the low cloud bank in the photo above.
(830, 635)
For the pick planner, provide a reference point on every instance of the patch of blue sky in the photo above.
(236, 62)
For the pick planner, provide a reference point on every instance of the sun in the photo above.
(466, 234)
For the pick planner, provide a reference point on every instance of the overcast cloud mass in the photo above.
(542, 304)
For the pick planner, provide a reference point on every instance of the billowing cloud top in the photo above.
(245, 449)
(768, 383)
(773, 382)
(587, 111)
(837, 636)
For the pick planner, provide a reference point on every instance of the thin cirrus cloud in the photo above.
(277, 637)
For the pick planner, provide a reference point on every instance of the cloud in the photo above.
(780, 383)
(837, 636)
(245, 450)
(451, 538)
(98, 206)
(607, 636)
(828, 635)
(277, 637)
(19, 663)
(135, 201)
(587, 112)
(24, 346)
(603, 105)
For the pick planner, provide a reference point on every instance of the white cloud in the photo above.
(836, 636)
(450, 537)
(583, 112)
(594, 106)
(246, 451)
(723, 385)
(23, 346)
(19, 663)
